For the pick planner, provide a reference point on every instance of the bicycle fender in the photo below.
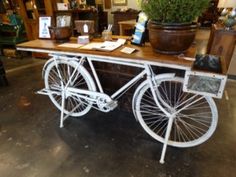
(58, 58)
(157, 77)
(45, 66)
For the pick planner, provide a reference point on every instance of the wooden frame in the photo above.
(119, 2)
(44, 23)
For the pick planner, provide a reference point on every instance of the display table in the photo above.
(113, 75)
(141, 55)
(118, 65)
(74, 87)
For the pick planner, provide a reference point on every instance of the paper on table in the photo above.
(108, 46)
(127, 50)
(70, 45)
(103, 46)
(121, 41)
(91, 45)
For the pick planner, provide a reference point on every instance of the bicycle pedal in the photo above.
(112, 105)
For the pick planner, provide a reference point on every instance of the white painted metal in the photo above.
(105, 103)
(137, 91)
(128, 84)
(62, 109)
(211, 111)
(84, 75)
(95, 76)
(152, 86)
(167, 135)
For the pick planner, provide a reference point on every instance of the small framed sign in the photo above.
(44, 23)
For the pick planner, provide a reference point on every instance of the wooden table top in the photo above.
(143, 54)
(128, 22)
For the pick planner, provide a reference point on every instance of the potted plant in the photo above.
(171, 27)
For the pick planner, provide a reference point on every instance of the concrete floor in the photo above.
(99, 144)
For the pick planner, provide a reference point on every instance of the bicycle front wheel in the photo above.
(195, 118)
(59, 73)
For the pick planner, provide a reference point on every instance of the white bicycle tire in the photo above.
(137, 102)
(85, 75)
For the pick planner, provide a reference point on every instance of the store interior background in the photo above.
(49, 8)
(98, 145)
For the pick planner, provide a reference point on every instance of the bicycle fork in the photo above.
(153, 84)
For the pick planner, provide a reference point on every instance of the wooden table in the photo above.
(108, 71)
(142, 58)
(121, 16)
(126, 25)
(143, 54)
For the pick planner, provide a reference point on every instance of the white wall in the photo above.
(130, 4)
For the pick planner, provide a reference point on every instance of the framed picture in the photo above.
(44, 23)
(63, 20)
(62, 6)
(119, 2)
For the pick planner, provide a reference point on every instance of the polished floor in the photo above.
(98, 144)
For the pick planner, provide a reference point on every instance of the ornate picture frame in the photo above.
(119, 2)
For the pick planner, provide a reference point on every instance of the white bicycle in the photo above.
(165, 112)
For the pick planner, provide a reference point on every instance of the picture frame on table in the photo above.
(119, 2)
(44, 23)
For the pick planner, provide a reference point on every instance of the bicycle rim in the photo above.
(74, 106)
(193, 125)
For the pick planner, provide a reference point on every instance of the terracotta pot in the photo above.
(171, 38)
(60, 34)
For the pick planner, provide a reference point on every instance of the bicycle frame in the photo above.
(92, 96)
(125, 86)
(172, 110)
(147, 70)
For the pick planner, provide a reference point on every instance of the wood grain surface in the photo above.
(142, 54)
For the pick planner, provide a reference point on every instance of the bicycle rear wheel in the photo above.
(81, 79)
(195, 122)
